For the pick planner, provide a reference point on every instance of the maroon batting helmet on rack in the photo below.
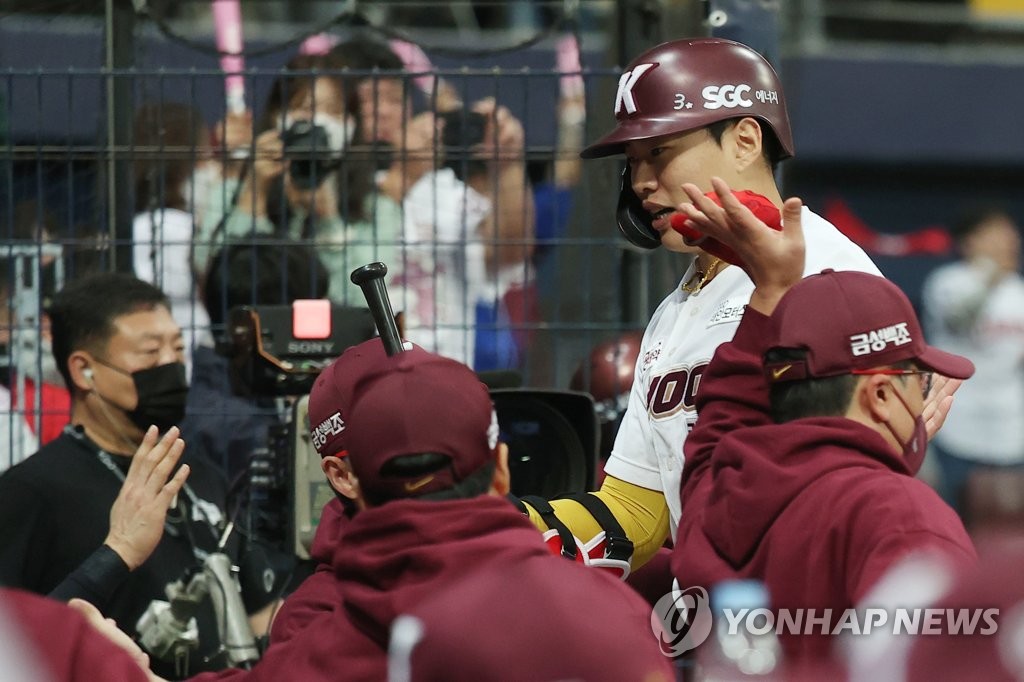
(688, 84)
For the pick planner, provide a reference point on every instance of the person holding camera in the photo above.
(465, 224)
(304, 181)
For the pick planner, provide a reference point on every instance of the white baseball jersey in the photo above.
(987, 420)
(677, 347)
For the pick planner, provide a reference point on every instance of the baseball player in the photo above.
(686, 111)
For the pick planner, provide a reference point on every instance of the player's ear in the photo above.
(747, 142)
(340, 476)
(874, 392)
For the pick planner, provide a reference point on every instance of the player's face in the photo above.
(661, 165)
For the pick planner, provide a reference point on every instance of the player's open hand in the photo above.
(774, 260)
(938, 403)
(137, 515)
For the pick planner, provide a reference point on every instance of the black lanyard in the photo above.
(107, 460)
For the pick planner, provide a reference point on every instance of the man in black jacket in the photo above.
(121, 355)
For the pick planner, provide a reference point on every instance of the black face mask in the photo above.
(162, 391)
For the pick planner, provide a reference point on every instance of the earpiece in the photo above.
(87, 373)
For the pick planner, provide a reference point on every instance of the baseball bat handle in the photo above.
(370, 278)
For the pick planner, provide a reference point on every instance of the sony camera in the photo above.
(307, 146)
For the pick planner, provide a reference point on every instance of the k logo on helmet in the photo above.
(628, 80)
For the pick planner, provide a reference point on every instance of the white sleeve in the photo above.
(162, 250)
(143, 253)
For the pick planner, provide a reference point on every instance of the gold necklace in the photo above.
(691, 288)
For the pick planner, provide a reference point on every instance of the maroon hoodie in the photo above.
(60, 644)
(317, 593)
(396, 555)
(818, 509)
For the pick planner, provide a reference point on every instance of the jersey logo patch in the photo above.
(650, 357)
(731, 310)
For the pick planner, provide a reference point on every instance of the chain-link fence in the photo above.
(463, 177)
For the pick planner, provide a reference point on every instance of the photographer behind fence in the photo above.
(121, 355)
(463, 212)
(305, 182)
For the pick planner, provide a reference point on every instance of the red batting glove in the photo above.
(759, 205)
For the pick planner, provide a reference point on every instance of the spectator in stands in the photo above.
(464, 226)
(25, 328)
(173, 171)
(505, 316)
(975, 307)
(305, 182)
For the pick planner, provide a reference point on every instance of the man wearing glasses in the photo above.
(814, 421)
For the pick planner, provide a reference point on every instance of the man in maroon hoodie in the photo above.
(430, 478)
(329, 402)
(800, 470)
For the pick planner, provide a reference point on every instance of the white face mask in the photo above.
(340, 130)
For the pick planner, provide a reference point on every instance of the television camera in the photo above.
(279, 350)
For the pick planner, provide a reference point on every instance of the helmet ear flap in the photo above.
(634, 222)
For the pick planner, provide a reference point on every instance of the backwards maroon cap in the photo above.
(413, 404)
(849, 321)
(331, 397)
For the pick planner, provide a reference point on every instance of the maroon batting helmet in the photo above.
(688, 84)
(607, 374)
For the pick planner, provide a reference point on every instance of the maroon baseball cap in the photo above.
(331, 397)
(414, 404)
(849, 321)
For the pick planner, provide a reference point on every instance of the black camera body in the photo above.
(463, 130)
(307, 146)
(280, 350)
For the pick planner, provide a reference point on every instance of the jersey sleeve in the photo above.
(642, 513)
